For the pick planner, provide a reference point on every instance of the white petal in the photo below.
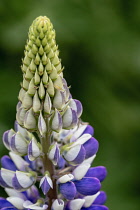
(52, 152)
(78, 133)
(30, 205)
(89, 160)
(72, 153)
(49, 181)
(58, 205)
(35, 149)
(18, 160)
(24, 179)
(14, 193)
(17, 202)
(85, 137)
(76, 204)
(90, 199)
(7, 176)
(65, 178)
(80, 171)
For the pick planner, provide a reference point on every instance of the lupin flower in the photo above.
(46, 183)
(50, 147)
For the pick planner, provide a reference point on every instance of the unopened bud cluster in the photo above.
(44, 92)
(50, 149)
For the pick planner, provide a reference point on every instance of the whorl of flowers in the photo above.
(50, 149)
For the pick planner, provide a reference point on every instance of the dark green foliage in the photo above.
(99, 44)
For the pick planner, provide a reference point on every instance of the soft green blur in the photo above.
(99, 42)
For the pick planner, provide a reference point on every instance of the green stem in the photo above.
(48, 166)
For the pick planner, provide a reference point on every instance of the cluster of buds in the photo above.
(50, 149)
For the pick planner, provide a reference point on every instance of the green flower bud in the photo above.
(36, 78)
(59, 68)
(37, 59)
(42, 125)
(40, 69)
(21, 94)
(50, 88)
(28, 75)
(47, 48)
(53, 74)
(31, 88)
(45, 78)
(32, 66)
(49, 66)
(47, 104)
(27, 101)
(25, 84)
(30, 54)
(26, 60)
(44, 59)
(38, 42)
(58, 84)
(29, 120)
(41, 91)
(34, 49)
(44, 41)
(55, 60)
(51, 54)
(24, 68)
(20, 115)
(36, 103)
(41, 50)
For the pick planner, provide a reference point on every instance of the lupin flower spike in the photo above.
(51, 150)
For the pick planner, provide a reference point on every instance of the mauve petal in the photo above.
(45, 186)
(96, 207)
(80, 157)
(16, 184)
(61, 163)
(4, 203)
(68, 190)
(9, 208)
(91, 147)
(101, 198)
(89, 129)
(7, 163)
(99, 172)
(88, 186)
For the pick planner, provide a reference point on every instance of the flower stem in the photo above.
(48, 166)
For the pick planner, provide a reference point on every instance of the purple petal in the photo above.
(80, 157)
(68, 190)
(45, 186)
(4, 203)
(95, 207)
(61, 163)
(7, 163)
(79, 107)
(91, 146)
(101, 198)
(32, 194)
(89, 129)
(32, 164)
(16, 184)
(5, 139)
(57, 154)
(9, 208)
(88, 186)
(99, 172)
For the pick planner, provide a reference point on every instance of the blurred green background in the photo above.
(99, 42)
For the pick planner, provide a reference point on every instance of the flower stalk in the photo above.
(50, 150)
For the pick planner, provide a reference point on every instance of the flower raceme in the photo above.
(50, 149)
